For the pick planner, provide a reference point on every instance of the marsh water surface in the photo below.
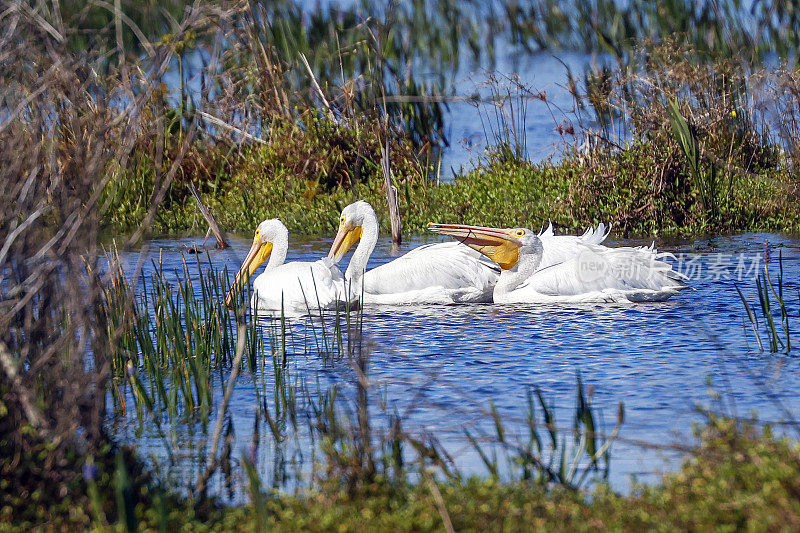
(438, 367)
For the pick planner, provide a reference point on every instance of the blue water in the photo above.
(439, 366)
(472, 128)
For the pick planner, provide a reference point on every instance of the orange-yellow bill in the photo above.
(498, 244)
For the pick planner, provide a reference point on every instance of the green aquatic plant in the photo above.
(778, 340)
(549, 459)
(707, 177)
(175, 335)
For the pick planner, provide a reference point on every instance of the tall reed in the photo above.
(779, 340)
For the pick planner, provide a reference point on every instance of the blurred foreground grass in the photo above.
(96, 142)
(738, 478)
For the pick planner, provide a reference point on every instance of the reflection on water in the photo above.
(438, 366)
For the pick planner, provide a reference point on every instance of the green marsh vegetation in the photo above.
(94, 140)
(622, 160)
(772, 295)
(279, 138)
(740, 176)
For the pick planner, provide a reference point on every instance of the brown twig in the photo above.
(212, 223)
(221, 123)
(440, 506)
(213, 461)
(35, 418)
(391, 197)
(316, 87)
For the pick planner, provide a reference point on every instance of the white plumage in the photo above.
(298, 287)
(442, 273)
(294, 288)
(434, 273)
(546, 268)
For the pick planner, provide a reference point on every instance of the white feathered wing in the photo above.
(581, 269)
(434, 273)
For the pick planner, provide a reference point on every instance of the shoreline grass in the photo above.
(574, 194)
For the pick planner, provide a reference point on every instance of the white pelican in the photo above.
(441, 273)
(294, 287)
(545, 268)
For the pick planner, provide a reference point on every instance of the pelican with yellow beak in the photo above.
(545, 268)
(293, 287)
(443, 273)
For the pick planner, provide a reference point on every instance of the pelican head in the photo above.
(501, 245)
(267, 233)
(351, 227)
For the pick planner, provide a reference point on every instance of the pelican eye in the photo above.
(519, 233)
(341, 220)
